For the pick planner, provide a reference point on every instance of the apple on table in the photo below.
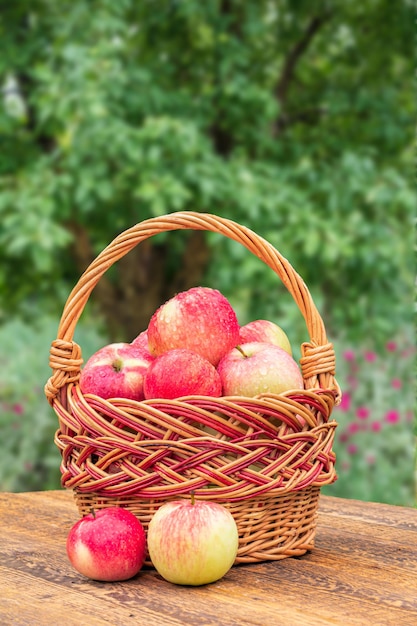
(192, 542)
(107, 545)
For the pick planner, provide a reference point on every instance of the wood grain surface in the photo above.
(362, 571)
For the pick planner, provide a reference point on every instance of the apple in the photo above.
(181, 372)
(108, 545)
(257, 367)
(200, 319)
(192, 542)
(141, 341)
(116, 371)
(265, 331)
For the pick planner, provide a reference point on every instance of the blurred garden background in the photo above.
(293, 118)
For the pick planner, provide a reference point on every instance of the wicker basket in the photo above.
(253, 455)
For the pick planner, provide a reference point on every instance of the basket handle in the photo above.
(318, 360)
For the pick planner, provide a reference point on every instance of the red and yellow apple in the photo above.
(265, 331)
(107, 545)
(180, 372)
(255, 368)
(201, 320)
(192, 542)
(116, 371)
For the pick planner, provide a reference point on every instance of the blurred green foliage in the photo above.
(295, 119)
(29, 459)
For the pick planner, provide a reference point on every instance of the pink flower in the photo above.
(17, 408)
(370, 459)
(353, 428)
(343, 437)
(376, 427)
(352, 381)
(352, 448)
(370, 356)
(391, 346)
(392, 417)
(362, 412)
(349, 355)
(396, 383)
(345, 402)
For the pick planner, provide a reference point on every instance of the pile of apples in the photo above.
(190, 543)
(194, 345)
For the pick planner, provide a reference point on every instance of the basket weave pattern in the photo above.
(264, 458)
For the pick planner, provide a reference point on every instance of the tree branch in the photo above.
(295, 54)
(291, 62)
(310, 116)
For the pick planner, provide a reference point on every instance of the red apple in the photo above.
(107, 545)
(141, 341)
(255, 368)
(192, 543)
(265, 331)
(200, 319)
(116, 371)
(181, 372)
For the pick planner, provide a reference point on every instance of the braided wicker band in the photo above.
(264, 458)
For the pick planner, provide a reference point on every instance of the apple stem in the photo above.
(92, 511)
(117, 365)
(192, 494)
(241, 351)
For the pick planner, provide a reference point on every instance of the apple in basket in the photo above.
(255, 368)
(265, 331)
(107, 545)
(141, 341)
(180, 372)
(116, 371)
(201, 320)
(192, 542)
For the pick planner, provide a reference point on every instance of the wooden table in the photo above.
(363, 571)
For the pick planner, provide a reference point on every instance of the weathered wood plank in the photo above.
(362, 571)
